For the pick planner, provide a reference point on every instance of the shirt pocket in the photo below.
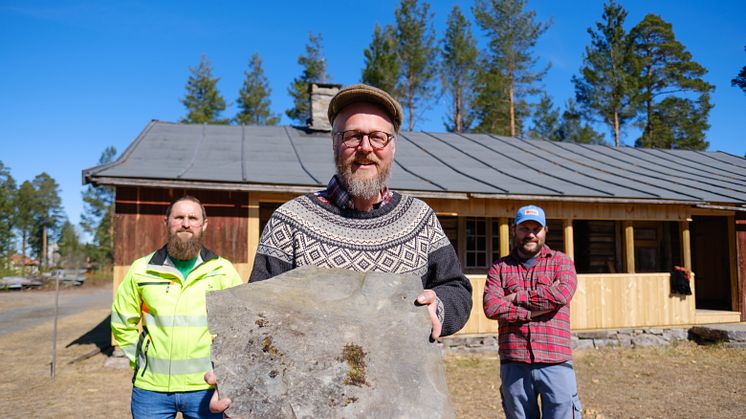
(513, 283)
(544, 279)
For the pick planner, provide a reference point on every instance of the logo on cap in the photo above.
(530, 211)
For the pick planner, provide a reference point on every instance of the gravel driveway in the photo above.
(20, 310)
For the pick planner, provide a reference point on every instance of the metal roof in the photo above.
(427, 163)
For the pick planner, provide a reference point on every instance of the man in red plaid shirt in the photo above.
(528, 292)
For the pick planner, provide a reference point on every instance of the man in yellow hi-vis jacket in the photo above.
(166, 290)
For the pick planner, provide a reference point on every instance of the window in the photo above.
(597, 246)
(476, 242)
(555, 237)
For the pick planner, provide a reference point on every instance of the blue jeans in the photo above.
(148, 404)
(523, 383)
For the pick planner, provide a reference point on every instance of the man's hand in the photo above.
(429, 298)
(217, 405)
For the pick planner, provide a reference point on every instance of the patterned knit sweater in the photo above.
(401, 237)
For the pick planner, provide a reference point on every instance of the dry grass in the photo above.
(683, 380)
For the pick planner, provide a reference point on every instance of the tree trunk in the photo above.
(512, 110)
(616, 129)
(457, 116)
(410, 105)
(44, 262)
(649, 99)
(23, 253)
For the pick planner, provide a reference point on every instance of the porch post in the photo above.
(629, 246)
(569, 243)
(740, 221)
(504, 236)
(686, 246)
(253, 228)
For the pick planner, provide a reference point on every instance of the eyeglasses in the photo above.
(352, 138)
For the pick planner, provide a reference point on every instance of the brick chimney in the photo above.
(320, 94)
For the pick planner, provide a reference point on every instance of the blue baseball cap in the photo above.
(530, 213)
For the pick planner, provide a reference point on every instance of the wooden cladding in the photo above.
(139, 228)
(609, 301)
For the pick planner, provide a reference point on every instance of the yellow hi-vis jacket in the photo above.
(173, 351)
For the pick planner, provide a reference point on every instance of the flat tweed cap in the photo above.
(363, 93)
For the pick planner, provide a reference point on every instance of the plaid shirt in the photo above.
(337, 195)
(548, 285)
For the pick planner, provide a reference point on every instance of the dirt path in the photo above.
(20, 310)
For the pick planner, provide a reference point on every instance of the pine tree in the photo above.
(23, 216)
(607, 87)
(679, 123)
(512, 33)
(572, 128)
(491, 105)
(69, 247)
(203, 100)
(314, 71)
(740, 80)
(417, 54)
(546, 120)
(8, 190)
(253, 98)
(459, 70)
(382, 64)
(98, 215)
(666, 71)
(48, 214)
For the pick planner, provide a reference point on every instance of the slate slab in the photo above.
(327, 343)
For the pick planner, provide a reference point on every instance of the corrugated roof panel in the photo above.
(270, 157)
(507, 151)
(515, 179)
(315, 150)
(509, 173)
(418, 160)
(665, 186)
(437, 162)
(715, 186)
(676, 163)
(578, 170)
(728, 158)
(164, 152)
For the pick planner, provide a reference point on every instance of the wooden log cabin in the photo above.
(627, 216)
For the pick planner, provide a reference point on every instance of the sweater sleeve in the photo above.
(274, 255)
(266, 267)
(445, 278)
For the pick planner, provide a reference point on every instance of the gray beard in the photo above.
(183, 250)
(362, 188)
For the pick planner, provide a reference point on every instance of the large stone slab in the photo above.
(327, 343)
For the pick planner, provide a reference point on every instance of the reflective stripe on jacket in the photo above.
(172, 352)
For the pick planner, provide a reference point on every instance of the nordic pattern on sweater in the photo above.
(302, 233)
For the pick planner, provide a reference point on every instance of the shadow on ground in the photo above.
(99, 335)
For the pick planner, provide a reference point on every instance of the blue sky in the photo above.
(78, 76)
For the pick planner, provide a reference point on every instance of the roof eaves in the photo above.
(585, 199)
